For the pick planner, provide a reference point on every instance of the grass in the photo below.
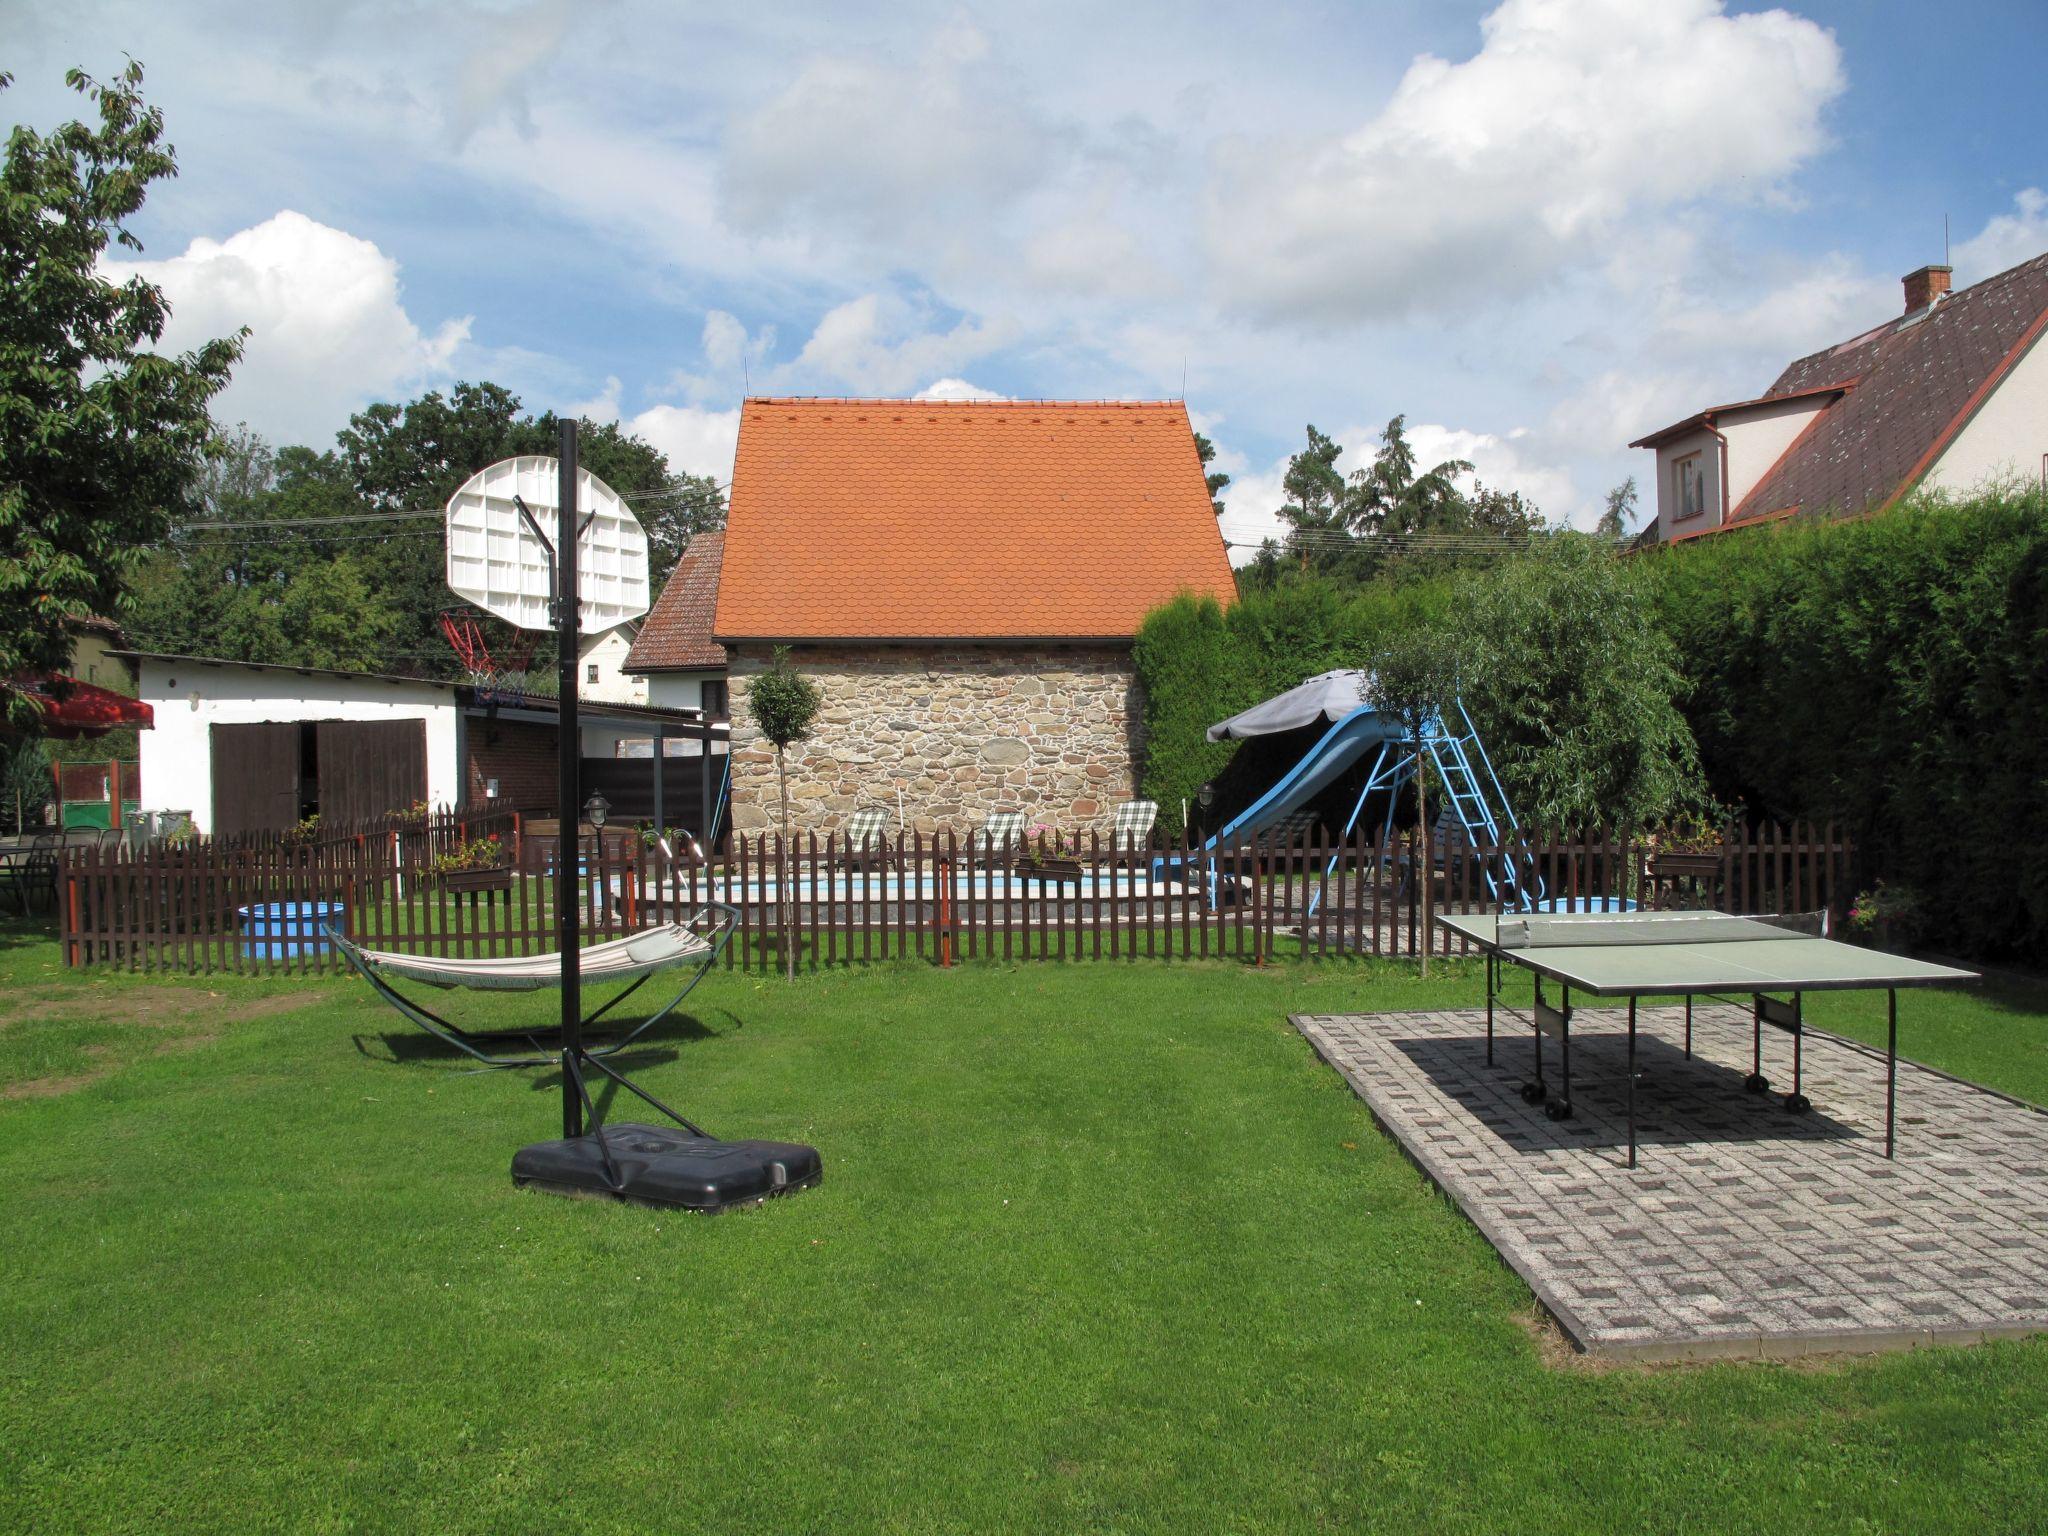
(1100, 1247)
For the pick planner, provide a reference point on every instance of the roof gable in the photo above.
(676, 636)
(1916, 382)
(984, 520)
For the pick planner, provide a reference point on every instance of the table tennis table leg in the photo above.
(1491, 981)
(1560, 1108)
(1534, 1091)
(1688, 1026)
(1891, 1065)
(1632, 1082)
(1797, 1103)
(1756, 1082)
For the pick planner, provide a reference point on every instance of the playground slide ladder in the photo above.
(1473, 790)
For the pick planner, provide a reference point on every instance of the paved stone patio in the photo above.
(1744, 1230)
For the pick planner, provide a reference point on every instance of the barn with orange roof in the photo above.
(963, 581)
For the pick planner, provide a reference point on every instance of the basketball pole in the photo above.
(568, 771)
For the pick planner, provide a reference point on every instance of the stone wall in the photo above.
(960, 730)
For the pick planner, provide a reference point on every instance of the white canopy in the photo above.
(1328, 696)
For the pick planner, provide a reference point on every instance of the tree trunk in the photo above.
(1425, 855)
(785, 917)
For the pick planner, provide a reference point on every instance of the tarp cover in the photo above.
(1328, 696)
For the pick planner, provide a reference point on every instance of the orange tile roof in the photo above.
(677, 634)
(963, 520)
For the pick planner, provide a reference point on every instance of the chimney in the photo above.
(1926, 286)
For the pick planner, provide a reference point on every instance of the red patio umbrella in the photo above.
(71, 709)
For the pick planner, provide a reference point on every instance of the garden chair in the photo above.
(1130, 828)
(695, 943)
(997, 840)
(864, 842)
(30, 873)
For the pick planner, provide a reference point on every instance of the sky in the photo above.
(1537, 228)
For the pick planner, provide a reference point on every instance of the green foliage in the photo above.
(101, 438)
(1890, 674)
(691, 505)
(1188, 661)
(370, 596)
(784, 701)
(25, 781)
(1574, 689)
(1391, 517)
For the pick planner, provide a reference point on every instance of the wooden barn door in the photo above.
(255, 777)
(368, 767)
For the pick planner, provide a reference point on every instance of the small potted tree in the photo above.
(784, 703)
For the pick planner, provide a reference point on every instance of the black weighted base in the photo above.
(1534, 1093)
(1797, 1103)
(1756, 1082)
(1558, 1109)
(662, 1165)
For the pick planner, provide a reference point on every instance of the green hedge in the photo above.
(1890, 674)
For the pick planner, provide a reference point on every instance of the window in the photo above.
(1689, 486)
(590, 673)
(716, 702)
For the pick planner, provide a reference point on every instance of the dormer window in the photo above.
(1689, 486)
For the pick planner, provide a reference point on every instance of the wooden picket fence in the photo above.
(933, 898)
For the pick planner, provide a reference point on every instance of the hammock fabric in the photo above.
(696, 943)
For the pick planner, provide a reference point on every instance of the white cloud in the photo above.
(696, 440)
(328, 331)
(1483, 179)
(957, 389)
(2006, 240)
(883, 150)
(878, 344)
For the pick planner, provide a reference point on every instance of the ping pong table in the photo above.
(1775, 960)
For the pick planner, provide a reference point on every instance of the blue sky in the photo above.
(1538, 228)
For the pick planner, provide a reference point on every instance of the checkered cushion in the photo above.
(1133, 823)
(1002, 830)
(866, 827)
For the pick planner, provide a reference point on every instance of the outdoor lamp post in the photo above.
(1206, 797)
(597, 810)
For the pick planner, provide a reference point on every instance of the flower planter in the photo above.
(1051, 870)
(1685, 866)
(460, 880)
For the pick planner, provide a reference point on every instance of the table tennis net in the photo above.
(1561, 930)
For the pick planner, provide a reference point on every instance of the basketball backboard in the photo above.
(495, 562)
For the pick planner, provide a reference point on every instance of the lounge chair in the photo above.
(864, 842)
(695, 943)
(1131, 827)
(997, 840)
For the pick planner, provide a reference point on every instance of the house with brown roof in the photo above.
(1949, 396)
(674, 652)
(963, 581)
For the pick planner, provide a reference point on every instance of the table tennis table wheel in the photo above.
(1534, 1093)
(1559, 1109)
(1756, 1082)
(1797, 1103)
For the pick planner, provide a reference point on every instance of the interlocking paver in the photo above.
(1745, 1229)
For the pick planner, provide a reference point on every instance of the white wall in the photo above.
(679, 690)
(2007, 436)
(607, 652)
(1757, 439)
(189, 698)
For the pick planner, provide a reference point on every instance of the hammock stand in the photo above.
(697, 942)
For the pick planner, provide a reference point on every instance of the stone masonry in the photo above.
(961, 730)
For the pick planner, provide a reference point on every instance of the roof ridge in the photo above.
(1040, 403)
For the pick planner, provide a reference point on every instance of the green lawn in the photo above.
(1100, 1247)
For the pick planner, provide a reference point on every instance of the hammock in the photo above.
(696, 943)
